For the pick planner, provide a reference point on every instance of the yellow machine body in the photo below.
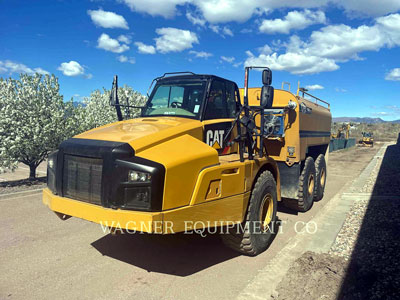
(306, 133)
(201, 189)
(197, 179)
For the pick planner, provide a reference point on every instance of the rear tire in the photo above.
(305, 194)
(320, 169)
(258, 230)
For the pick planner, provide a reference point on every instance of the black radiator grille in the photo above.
(82, 178)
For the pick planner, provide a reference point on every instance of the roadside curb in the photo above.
(329, 221)
(20, 194)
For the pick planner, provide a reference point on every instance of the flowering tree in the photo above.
(33, 120)
(97, 111)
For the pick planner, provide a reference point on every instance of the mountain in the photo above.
(363, 120)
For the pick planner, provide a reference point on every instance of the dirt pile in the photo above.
(312, 276)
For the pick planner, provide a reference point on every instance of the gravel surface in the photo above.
(363, 262)
(372, 231)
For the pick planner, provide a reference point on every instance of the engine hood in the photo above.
(143, 133)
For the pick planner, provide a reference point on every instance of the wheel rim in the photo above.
(266, 211)
(323, 175)
(311, 184)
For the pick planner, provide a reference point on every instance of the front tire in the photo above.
(257, 231)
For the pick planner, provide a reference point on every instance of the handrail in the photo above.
(173, 73)
(285, 83)
(165, 74)
(304, 91)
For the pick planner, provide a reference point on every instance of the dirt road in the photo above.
(43, 257)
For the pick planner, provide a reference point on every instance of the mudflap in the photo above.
(289, 179)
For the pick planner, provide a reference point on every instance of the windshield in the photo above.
(176, 99)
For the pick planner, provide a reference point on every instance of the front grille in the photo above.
(82, 178)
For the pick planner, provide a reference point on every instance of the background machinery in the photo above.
(367, 139)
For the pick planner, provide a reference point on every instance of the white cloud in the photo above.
(293, 20)
(164, 8)
(72, 68)
(340, 90)
(215, 28)
(222, 31)
(231, 60)
(394, 109)
(227, 31)
(201, 54)
(341, 42)
(109, 44)
(331, 45)
(174, 40)
(390, 25)
(126, 59)
(41, 71)
(195, 20)
(228, 59)
(314, 87)
(371, 8)
(123, 38)
(107, 19)
(296, 63)
(10, 67)
(393, 75)
(381, 114)
(222, 11)
(264, 49)
(145, 49)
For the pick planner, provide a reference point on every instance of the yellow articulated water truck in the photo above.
(202, 155)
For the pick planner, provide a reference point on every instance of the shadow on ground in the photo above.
(283, 207)
(374, 269)
(177, 254)
(24, 182)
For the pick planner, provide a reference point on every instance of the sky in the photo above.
(346, 52)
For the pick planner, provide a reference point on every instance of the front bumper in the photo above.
(107, 217)
(217, 213)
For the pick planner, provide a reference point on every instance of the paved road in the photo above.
(45, 258)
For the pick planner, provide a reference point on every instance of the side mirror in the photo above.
(114, 92)
(267, 96)
(267, 77)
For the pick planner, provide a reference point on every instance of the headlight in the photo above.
(137, 197)
(135, 176)
(51, 171)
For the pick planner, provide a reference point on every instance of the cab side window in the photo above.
(216, 103)
(230, 99)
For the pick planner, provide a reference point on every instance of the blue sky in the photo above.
(347, 51)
